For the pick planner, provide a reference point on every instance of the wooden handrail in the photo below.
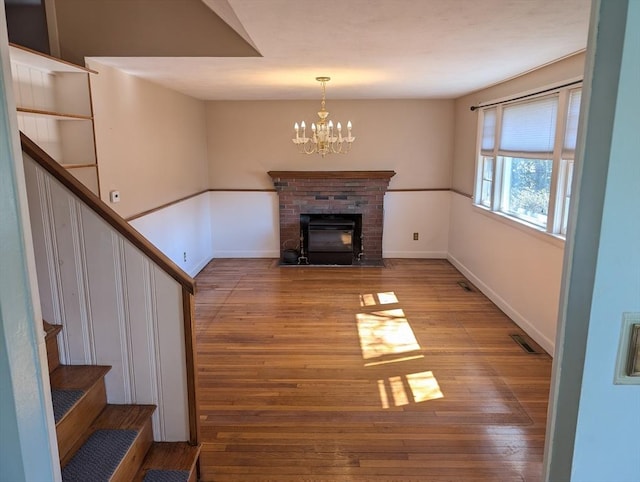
(106, 213)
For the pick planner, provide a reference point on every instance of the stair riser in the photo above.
(131, 463)
(76, 422)
(53, 356)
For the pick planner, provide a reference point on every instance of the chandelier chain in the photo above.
(322, 104)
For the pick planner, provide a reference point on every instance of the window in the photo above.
(568, 178)
(486, 188)
(526, 157)
(526, 186)
(568, 155)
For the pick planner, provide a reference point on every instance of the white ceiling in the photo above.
(381, 49)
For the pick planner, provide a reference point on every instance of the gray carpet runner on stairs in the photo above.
(154, 475)
(99, 457)
(63, 400)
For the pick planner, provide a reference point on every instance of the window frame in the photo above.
(562, 164)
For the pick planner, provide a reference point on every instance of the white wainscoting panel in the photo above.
(182, 229)
(117, 307)
(245, 224)
(422, 212)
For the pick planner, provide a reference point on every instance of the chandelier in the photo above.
(325, 139)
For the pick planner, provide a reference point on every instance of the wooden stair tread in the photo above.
(169, 456)
(122, 417)
(77, 377)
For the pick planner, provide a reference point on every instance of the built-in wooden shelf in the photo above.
(54, 110)
(39, 60)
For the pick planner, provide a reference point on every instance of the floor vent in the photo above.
(527, 345)
(464, 285)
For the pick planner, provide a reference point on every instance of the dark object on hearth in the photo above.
(290, 256)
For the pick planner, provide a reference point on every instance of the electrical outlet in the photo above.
(184, 256)
(415, 236)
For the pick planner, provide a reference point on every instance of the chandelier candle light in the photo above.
(325, 139)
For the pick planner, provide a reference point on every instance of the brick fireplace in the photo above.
(333, 192)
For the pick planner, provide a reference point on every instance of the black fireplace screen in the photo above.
(331, 235)
(331, 238)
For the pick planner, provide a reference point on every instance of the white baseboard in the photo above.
(415, 254)
(193, 272)
(547, 344)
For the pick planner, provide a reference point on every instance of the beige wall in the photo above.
(517, 267)
(412, 137)
(568, 69)
(151, 141)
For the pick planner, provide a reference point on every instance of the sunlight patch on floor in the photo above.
(424, 386)
(385, 333)
(386, 298)
(410, 388)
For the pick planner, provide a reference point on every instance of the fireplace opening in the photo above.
(331, 238)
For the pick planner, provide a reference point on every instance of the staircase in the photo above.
(104, 442)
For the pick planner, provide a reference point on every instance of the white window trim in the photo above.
(558, 185)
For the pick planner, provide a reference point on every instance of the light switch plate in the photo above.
(628, 359)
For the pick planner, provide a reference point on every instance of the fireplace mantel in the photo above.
(332, 174)
(333, 192)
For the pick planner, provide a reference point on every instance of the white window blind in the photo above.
(571, 132)
(529, 127)
(489, 130)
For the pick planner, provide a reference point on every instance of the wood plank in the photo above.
(394, 373)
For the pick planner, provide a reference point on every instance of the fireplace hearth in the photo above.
(356, 196)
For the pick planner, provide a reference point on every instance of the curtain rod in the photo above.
(474, 107)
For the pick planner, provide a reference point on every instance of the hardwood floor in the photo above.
(362, 374)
